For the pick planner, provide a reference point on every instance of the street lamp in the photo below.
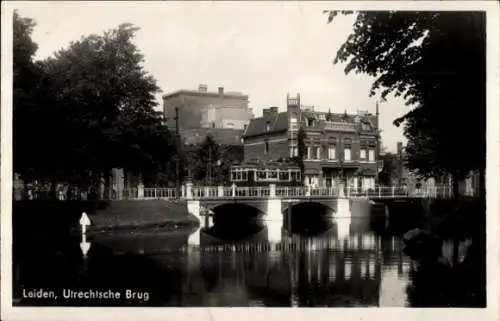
(178, 149)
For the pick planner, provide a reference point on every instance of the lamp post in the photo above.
(177, 152)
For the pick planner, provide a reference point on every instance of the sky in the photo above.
(264, 50)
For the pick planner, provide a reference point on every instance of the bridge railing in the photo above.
(217, 192)
(287, 191)
(156, 193)
(400, 192)
(252, 192)
(204, 192)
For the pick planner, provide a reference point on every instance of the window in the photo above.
(293, 123)
(310, 122)
(362, 154)
(309, 152)
(283, 175)
(347, 154)
(266, 148)
(239, 175)
(272, 174)
(318, 152)
(371, 155)
(261, 175)
(293, 151)
(295, 175)
(331, 152)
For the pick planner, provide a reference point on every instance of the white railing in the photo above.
(158, 193)
(222, 192)
(400, 192)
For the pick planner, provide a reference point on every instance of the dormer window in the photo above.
(310, 122)
(268, 126)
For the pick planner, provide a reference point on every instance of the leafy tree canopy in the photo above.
(94, 109)
(436, 61)
(211, 162)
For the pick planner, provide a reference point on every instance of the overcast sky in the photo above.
(264, 50)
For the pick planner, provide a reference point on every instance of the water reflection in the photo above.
(346, 265)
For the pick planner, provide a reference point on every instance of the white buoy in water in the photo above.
(84, 222)
(84, 245)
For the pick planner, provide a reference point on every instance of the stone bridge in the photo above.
(272, 203)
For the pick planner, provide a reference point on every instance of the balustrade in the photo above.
(221, 192)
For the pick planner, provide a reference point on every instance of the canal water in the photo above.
(347, 263)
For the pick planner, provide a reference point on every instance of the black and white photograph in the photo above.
(249, 154)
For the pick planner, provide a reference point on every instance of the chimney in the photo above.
(266, 112)
(221, 91)
(202, 88)
(273, 110)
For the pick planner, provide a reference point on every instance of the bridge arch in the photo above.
(308, 217)
(252, 205)
(237, 208)
(326, 207)
(235, 220)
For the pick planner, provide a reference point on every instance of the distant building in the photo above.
(222, 136)
(203, 109)
(468, 187)
(339, 145)
(409, 178)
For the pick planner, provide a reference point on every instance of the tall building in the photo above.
(203, 109)
(223, 115)
(338, 145)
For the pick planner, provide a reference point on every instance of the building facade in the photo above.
(338, 146)
(469, 186)
(203, 109)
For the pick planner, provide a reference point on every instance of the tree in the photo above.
(329, 116)
(26, 124)
(436, 61)
(389, 170)
(94, 111)
(210, 162)
(301, 151)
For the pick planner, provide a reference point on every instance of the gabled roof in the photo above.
(257, 126)
(279, 121)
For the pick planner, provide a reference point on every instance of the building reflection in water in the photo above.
(331, 269)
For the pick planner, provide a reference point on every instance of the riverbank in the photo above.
(56, 219)
(123, 215)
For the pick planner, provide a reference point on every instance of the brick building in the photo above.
(339, 145)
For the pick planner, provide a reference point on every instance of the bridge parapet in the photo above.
(273, 191)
